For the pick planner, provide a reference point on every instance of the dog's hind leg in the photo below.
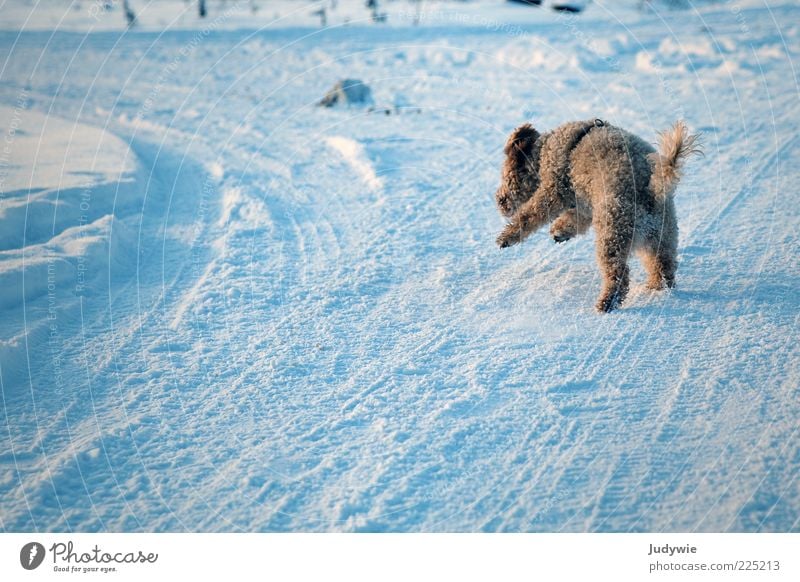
(660, 262)
(614, 238)
(571, 223)
(660, 251)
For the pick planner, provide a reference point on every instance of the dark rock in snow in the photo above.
(348, 92)
(566, 8)
(573, 6)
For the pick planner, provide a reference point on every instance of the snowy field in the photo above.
(225, 308)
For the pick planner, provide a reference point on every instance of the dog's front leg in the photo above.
(572, 222)
(532, 215)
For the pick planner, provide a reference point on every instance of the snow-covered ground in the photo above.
(225, 308)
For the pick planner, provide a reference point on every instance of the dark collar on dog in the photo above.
(582, 133)
(590, 125)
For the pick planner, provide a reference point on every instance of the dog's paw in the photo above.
(511, 235)
(657, 283)
(608, 303)
(560, 236)
(563, 229)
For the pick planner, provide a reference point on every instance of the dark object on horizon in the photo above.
(373, 9)
(567, 7)
(130, 16)
(323, 16)
(201, 8)
(348, 92)
(528, 2)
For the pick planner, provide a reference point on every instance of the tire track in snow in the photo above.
(712, 336)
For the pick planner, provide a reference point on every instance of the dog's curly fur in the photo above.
(590, 173)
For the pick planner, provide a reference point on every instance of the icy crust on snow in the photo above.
(307, 325)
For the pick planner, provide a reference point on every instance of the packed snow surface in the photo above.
(226, 308)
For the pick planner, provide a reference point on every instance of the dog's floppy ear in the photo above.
(520, 142)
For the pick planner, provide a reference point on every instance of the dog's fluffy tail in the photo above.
(675, 146)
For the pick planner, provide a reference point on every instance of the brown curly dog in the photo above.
(590, 173)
